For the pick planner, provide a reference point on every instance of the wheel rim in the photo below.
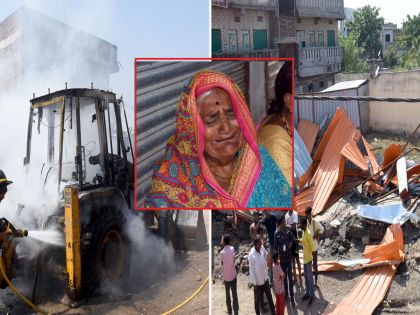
(111, 257)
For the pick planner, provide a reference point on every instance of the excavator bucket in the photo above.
(190, 230)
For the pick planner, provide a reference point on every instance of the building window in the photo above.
(299, 20)
(260, 39)
(237, 18)
(321, 84)
(329, 83)
(245, 41)
(311, 87)
(316, 22)
(260, 19)
(311, 39)
(301, 89)
(232, 41)
(330, 21)
(387, 38)
(321, 39)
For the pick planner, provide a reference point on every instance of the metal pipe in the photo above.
(412, 204)
(79, 145)
(412, 149)
(128, 131)
(60, 153)
(110, 142)
(390, 192)
(29, 137)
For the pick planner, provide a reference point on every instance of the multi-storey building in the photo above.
(244, 28)
(319, 55)
(38, 52)
(343, 24)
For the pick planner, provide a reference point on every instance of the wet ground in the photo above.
(145, 294)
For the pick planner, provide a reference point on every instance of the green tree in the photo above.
(352, 52)
(392, 57)
(366, 28)
(411, 31)
(412, 58)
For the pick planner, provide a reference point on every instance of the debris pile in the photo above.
(341, 159)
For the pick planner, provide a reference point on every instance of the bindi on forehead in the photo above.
(217, 103)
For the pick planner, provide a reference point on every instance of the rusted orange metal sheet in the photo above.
(352, 152)
(410, 173)
(303, 200)
(372, 287)
(391, 153)
(308, 132)
(326, 176)
(325, 139)
(368, 292)
(372, 158)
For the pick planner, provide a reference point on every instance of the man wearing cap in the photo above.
(3, 190)
(3, 185)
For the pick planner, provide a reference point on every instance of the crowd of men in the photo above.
(280, 258)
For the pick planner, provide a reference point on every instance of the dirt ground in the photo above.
(383, 140)
(144, 295)
(403, 296)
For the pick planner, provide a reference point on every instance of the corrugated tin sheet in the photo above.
(345, 85)
(159, 86)
(391, 153)
(315, 111)
(370, 290)
(273, 69)
(326, 176)
(301, 156)
(372, 158)
(308, 132)
(351, 152)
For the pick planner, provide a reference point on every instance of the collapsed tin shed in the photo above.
(316, 111)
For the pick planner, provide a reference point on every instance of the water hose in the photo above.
(189, 299)
(17, 292)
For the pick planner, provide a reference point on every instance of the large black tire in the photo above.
(105, 251)
(166, 225)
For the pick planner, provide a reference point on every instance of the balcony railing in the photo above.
(320, 60)
(265, 53)
(333, 9)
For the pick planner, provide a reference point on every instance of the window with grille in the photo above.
(316, 22)
(237, 18)
(299, 20)
(260, 19)
(330, 21)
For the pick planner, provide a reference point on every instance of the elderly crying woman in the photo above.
(213, 160)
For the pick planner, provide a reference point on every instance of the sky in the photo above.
(139, 29)
(391, 11)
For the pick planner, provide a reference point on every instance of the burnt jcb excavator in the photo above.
(79, 133)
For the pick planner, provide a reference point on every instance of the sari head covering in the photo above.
(183, 178)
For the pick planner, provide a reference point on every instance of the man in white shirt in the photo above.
(291, 222)
(316, 230)
(258, 272)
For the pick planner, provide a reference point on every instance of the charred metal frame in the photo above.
(103, 101)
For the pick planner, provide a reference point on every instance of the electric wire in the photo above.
(355, 98)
